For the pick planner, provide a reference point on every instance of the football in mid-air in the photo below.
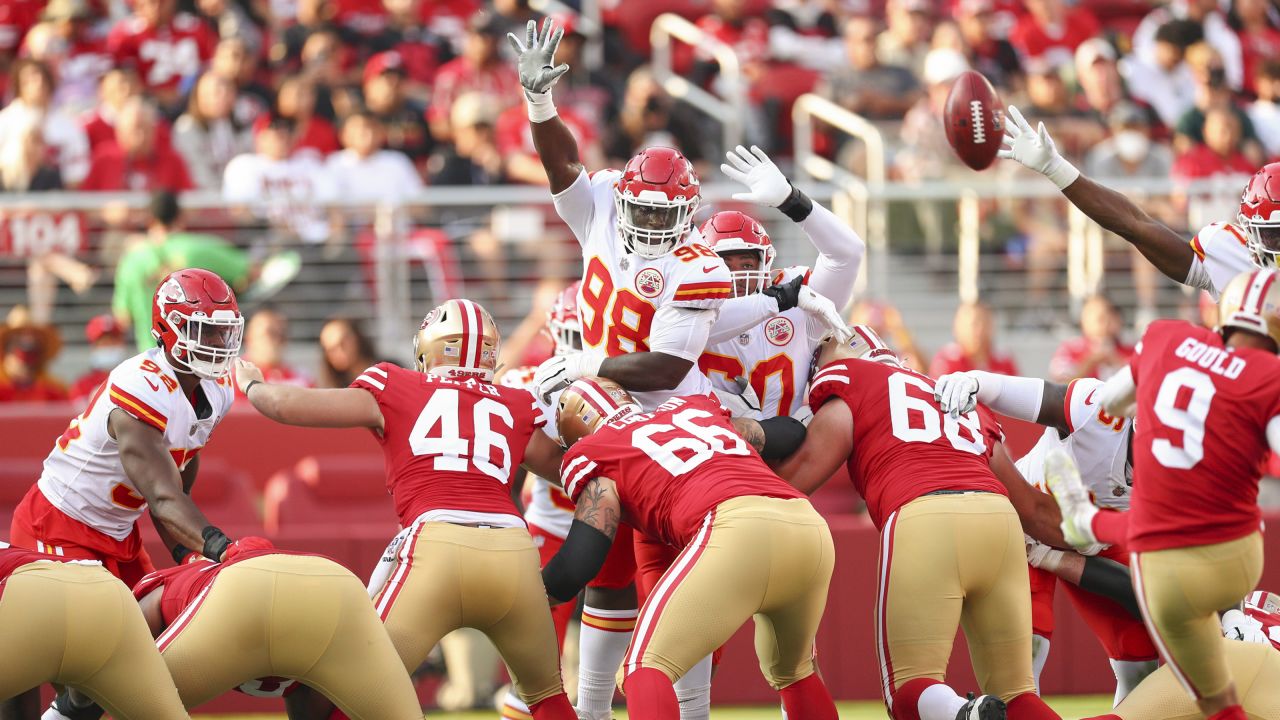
(974, 120)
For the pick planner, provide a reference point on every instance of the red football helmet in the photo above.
(1260, 215)
(732, 231)
(196, 320)
(656, 198)
(564, 324)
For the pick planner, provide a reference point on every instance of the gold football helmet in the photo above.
(589, 403)
(1251, 302)
(458, 340)
(865, 345)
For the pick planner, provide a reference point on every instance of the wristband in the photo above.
(180, 553)
(541, 109)
(215, 543)
(249, 387)
(1062, 173)
(797, 206)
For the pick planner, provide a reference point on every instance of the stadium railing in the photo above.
(727, 105)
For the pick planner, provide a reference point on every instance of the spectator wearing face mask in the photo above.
(26, 350)
(1129, 152)
(106, 350)
(1265, 111)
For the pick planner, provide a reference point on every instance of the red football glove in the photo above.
(246, 544)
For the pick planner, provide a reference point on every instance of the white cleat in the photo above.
(1068, 490)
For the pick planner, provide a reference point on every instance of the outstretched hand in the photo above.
(536, 54)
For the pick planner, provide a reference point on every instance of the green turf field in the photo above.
(1070, 708)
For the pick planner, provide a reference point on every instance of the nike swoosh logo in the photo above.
(152, 384)
(1088, 399)
(708, 269)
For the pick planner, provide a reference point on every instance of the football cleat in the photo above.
(1068, 490)
(982, 707)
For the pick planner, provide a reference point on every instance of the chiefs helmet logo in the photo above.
(649, 283)
(779, 331)
(171, 292)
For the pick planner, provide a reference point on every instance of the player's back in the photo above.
(1200, 438)
(451, 446)
(672, 467)
(904, 446)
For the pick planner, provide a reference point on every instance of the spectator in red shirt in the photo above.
(26, 349)
(1219, 154)
(989, 52)
(296, 102)
(1099, 351)
(1052, 31)
(67, 42)
(136, 159)
(515, 144)
(974, 345)
(418, 47)
(748, 35)
(1255, 22)
(478, 69)
(165, 46)
(266, 337)
(1211, 91)
(106, 350)
(115, 87)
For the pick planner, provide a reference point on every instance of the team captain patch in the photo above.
(779, 331)
(649, 283)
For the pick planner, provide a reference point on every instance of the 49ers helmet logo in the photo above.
(779, 331)
(649, 283)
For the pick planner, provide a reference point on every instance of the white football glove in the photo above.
(821, 307)
(1238, 626)
(535, 55)
(740, 404)
(956, 393)
(755, 170)
(561, 370)
(1042, 556)
(1035, 150)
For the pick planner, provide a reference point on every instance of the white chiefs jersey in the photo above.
(1222, 249)
(549, 508)
(773, 358)
(621, 292)
(83, 476)
(1098, 443)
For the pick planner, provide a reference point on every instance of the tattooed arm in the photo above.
(594, 526)
(750, 431)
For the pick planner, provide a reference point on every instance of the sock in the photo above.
(1235, 712)
(513, 708)
(941, 702)
(906, 699)
(556, 707)
(1128, 674)
(1039, 656)
(602, 643)
(1029, 706)
(809, 699)
(693, 691)
(1110, 527)
(650, 695)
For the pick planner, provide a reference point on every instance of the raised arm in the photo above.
(308, 407)
(827, 444)
(1024, 398)
(1165, 248)
(556, 146)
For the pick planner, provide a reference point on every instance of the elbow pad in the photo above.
(782, 436)
(578, 560)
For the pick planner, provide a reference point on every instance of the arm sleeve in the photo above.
(1273, 434)
(576, 205)
(238, 183)
(739, 315)
(840, 253)
(1017, 397)
(1118, 394)
(681, 331)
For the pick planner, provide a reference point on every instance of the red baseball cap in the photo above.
(102, 325)
(384, 62)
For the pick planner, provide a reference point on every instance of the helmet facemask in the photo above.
(206, 345)
(1263, 239)
(747, 282)
(651, 224)
(566, 336)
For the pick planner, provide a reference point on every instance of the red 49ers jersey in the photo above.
(163, 55)
(1200, 439)
(451, 446)
(904, 446)
(672, 467)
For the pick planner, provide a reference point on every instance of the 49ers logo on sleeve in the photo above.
(649, 283)
(779, 331)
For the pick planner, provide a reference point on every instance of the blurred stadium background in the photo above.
(361, 160)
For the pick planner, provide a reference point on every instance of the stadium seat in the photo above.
(16, 478)
(333, 491)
